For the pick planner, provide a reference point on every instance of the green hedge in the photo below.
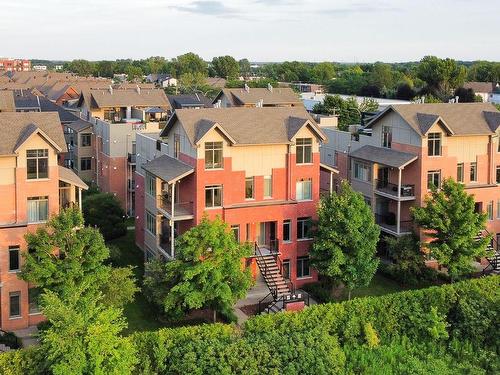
(448, 329)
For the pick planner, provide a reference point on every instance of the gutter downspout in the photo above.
(172, 226)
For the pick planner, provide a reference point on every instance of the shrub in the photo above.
(104, 211)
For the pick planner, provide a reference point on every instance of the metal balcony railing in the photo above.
(392, 189)
(388, 221)
(180, 209)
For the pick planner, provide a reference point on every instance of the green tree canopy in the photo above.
(104, 211)
(442, 76)
(81, 67)
(323, 72)
(225, 67)
(206, 273)
(346, 240)
(449, 217)
(190, 63)
(245, 68)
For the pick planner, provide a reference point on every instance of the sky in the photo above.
(260, 30)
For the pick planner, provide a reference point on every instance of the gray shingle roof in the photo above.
(79, 125)
(167, 168)
(7, 101)
(269, 125)
(493, 120)
(278, 96)
(67, 175)
(386, 156)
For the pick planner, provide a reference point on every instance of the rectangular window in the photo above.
(14, 304)
(361, 171)
(213, 196)
(177, 145)
(213, 155)
(268, 186)
(14, 262)
(498, 209)
(433, 179)
(286, 269)
(498, 174)
(303, 228)
(150, 184)
(386, 136)
(304, 150)
(86, 139)
(303, 269)
(248, 232)
(33, 300)
(489, 210)
(85, 164)
(151, 223)
(249, 188)
(473, 172)
(236, 231)
(287, 231)
(38, 209)
(304, 190)
(460, 172)
(37, 164)
(434, 144)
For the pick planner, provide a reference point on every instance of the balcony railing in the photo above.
(131, 158)
(392, 189)
(131, 185)
(388, 221)
(165, 244)
(180, 209)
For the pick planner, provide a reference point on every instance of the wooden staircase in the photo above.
(493, 260)
(272, 275)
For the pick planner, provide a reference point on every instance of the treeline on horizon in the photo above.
(434, 77)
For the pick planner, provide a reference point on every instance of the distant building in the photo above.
(161, 80)
(310, 99)
(482, 89)
(58, 67)
(40, 67)
(15, 65)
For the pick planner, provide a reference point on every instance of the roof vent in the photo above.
(456, 99)
(260, 103)
(270, 87)
(247, 88)
(110, 90)
(138, 90)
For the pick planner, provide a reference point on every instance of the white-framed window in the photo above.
(37, 164)
(433, 179)
(236, 232)
(14, 304)
(14, 259)
(213, 155)
(473, 172)
(489, 210)
(86, 139)
(150, 184)
(303, 268)
(434, 144)
(38, 209)
(304, 225)
(304, 150)
(386, 136)
(249, 188)
(460, 172)
(151, 223)
(213, 196)
(177, 145)
(361, 171)
(303, 190)
(287, 231)
(268, 186)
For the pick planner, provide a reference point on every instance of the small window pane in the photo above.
(14, 258)
(287, 228)
(249, 188)
(14, 304)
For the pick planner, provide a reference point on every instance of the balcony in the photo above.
(390, 190)
(387, 223)
(182, 210)
(165, 246)
(131, 158)
(131, 185)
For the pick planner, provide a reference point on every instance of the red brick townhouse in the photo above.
(407, 148)
(256, 168)
(33, 187)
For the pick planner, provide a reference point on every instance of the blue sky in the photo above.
(262, 30)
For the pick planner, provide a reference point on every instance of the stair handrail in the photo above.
(274, 288)
(493, 260)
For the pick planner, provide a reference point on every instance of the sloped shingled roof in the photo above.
(276, 96)
(167, 168)
(272, 125)
(461, 118)
(385, 156)
(15, 125)
(7, 101)
(128, 97)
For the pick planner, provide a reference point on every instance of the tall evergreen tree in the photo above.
(449, 217)
(346, 239)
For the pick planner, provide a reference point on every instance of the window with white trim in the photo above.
(473, 172)
(213, 155)
(489, 210)
(460, 172)
(249, 188)
(303, 190)
(14, 304)
(150, 184)
(37, 164)
(213, 196)
(498, 174)
(433, 179)
(304, 225)
(236, 232)
(38, 209)
(14, 258)
(361, 171)
(287, 231)
(304, 150)
(85, 164)
(386, 136)
(268, 186)
(86, 139)
(303, 268)
(434, 144)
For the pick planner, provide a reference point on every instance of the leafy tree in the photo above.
(80, 256)
(83, 336)
(81, 67)
(409, 260)
(441, 75)
(346, 239)
(381, 76)
(206, 273)
(190, 63)
(323, 72)
(245, 68)
(103, 210)
(449, 217)
(134, 73)
(104, 69)
(405, 92)
(226, 67)
(466, 95)
(484, 71)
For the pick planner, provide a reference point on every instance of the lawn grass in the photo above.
(141, 314)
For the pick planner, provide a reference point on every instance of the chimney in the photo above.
(138, 90)
(260, 103)
(247, 88)
(110, 90)
(270, 87)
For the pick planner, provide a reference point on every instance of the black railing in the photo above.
(270, 280)
(10, 339)
(494, 259)
(278, 304)
(389, 221)
(392, 189)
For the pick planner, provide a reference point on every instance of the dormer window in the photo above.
(434, 144)
(304, 150)
(37, 164)
(213, 155)
(386, 136)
